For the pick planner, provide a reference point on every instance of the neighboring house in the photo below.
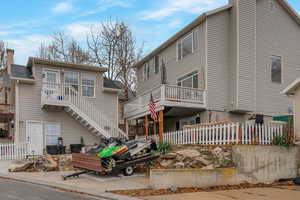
(225, 65)
(56, 99)
(294, 90)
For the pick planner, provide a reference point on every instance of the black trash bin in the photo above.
(52, 149)
(75, 148)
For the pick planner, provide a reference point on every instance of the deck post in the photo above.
(161, 125)
(146, 122)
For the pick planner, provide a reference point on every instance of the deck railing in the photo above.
(166, 93)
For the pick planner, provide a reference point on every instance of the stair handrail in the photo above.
(93, 113)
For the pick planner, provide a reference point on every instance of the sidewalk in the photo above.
(276, 193)
(89, 184)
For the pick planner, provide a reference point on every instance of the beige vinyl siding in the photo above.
(246, 52)
(30, 108)
(277, 34)
(218, 61)
(176, 69)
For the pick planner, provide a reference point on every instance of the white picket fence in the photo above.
(234, 133)
(14, 151)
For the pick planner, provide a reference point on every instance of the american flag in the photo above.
(152, 107)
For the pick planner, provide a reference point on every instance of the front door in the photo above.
(51, 81)
(34, 135)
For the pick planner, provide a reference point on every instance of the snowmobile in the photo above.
(114, 155)
(114, 151)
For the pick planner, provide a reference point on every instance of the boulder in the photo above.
(189, 153)
(203, 161)
(179, 165)
(208, 167)
(167, 163)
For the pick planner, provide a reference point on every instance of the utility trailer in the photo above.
(93, 164)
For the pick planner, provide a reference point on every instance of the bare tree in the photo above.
(126, 55)
(113, 45)
(2, 53)
(102, 42)
(64, 48)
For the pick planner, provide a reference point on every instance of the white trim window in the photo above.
(52, 133)
(276, 67)
(72, 79)
(190, 80)
(151, 68)
(88, 85)
(187, 44)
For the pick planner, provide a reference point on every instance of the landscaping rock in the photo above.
(190, 153)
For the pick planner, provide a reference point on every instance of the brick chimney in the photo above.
(10, 58)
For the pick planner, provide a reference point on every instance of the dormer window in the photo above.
(187, 44)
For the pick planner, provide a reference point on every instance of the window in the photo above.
(276, 69)
(72, 79)
(187, 45)
(52, 132)
(151, 68)
(190, 80)
(156, 64)
(88, 85)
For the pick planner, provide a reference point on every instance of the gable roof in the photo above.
(33, 60)
(291, 89)
(182, 32)
(201, 19)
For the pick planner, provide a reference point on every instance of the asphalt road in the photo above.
(13, 190)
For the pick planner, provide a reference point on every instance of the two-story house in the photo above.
(57, 99)
(226, 64)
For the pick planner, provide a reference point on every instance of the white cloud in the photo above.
(3, 33)
(175, 23)
(63, 7)
(171, 7)
(79, 30)
(107, 4)
(26, 46)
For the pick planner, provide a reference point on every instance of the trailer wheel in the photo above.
(128, 171)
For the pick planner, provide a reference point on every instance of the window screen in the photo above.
(276, 69)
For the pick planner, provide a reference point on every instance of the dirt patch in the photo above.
(152, 192)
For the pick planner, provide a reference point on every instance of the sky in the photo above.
(24, 25)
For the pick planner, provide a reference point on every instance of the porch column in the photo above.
(126, 127)
(161, 125)
(146, 126)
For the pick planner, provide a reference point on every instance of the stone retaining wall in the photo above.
(254, 164)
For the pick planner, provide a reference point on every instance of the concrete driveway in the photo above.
(276, 193)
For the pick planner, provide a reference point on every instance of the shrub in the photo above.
(281, 141)
(163, 148)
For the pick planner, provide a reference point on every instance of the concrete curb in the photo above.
(105, 195)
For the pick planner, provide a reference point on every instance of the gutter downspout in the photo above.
(17, 116)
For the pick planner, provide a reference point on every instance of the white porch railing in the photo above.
(14, 151)
(171, 93)
(234, 133)
(56, 94)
